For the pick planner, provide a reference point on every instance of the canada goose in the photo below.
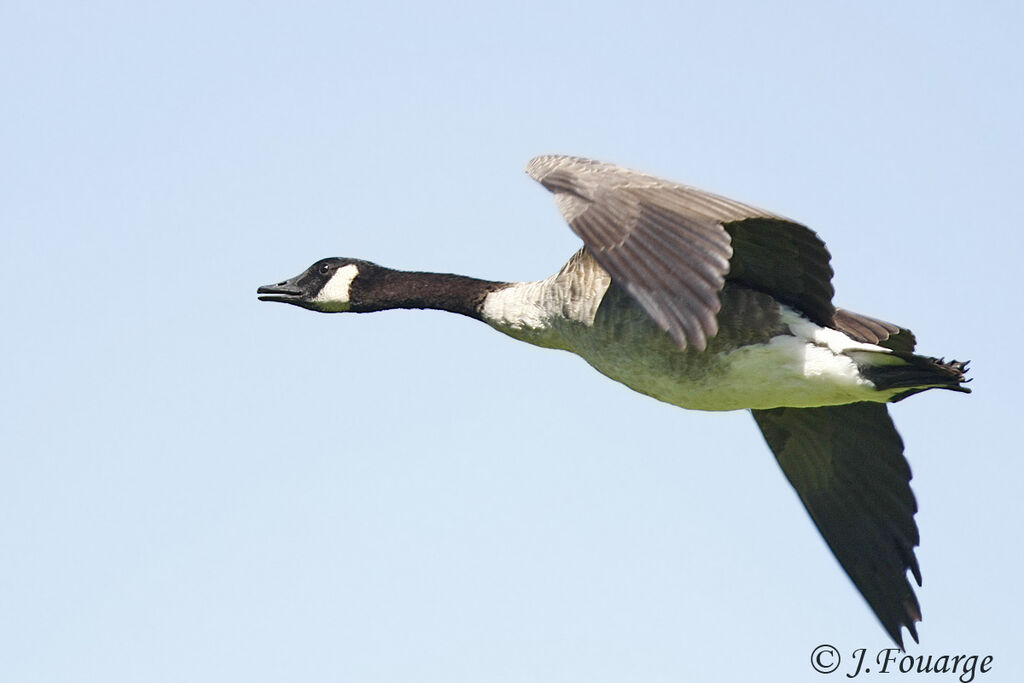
(709, 304)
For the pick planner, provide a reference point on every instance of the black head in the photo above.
(325, 286)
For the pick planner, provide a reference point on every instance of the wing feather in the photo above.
(873, 331)
(847, 465)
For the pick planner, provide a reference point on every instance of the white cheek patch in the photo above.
(336, 295)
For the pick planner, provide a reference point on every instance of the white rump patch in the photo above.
(834, 340)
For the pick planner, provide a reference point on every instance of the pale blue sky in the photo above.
(195, 486)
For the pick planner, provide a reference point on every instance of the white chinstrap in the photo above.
(336, 295)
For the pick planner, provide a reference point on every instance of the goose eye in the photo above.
(324, 267)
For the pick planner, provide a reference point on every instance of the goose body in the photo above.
(709, 304)
(765, 354)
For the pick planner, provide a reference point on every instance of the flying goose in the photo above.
(709, 304)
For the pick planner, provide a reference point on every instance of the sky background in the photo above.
(195, 486)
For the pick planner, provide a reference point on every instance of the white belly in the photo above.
(786, 371)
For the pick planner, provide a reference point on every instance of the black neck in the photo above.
(385, 289)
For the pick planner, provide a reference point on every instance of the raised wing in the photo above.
(672, 246)
(846, 463)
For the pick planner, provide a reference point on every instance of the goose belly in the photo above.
(764, 356)
(784, 371)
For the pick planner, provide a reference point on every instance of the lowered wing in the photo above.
(846, 463)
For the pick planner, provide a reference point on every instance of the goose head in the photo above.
(325, 286)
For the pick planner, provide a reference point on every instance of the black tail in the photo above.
(917, 374)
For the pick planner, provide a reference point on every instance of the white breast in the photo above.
(541, 312)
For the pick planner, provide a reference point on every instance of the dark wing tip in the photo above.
(908, 617)
(785, 259)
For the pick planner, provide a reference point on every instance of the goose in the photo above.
(708, 304)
